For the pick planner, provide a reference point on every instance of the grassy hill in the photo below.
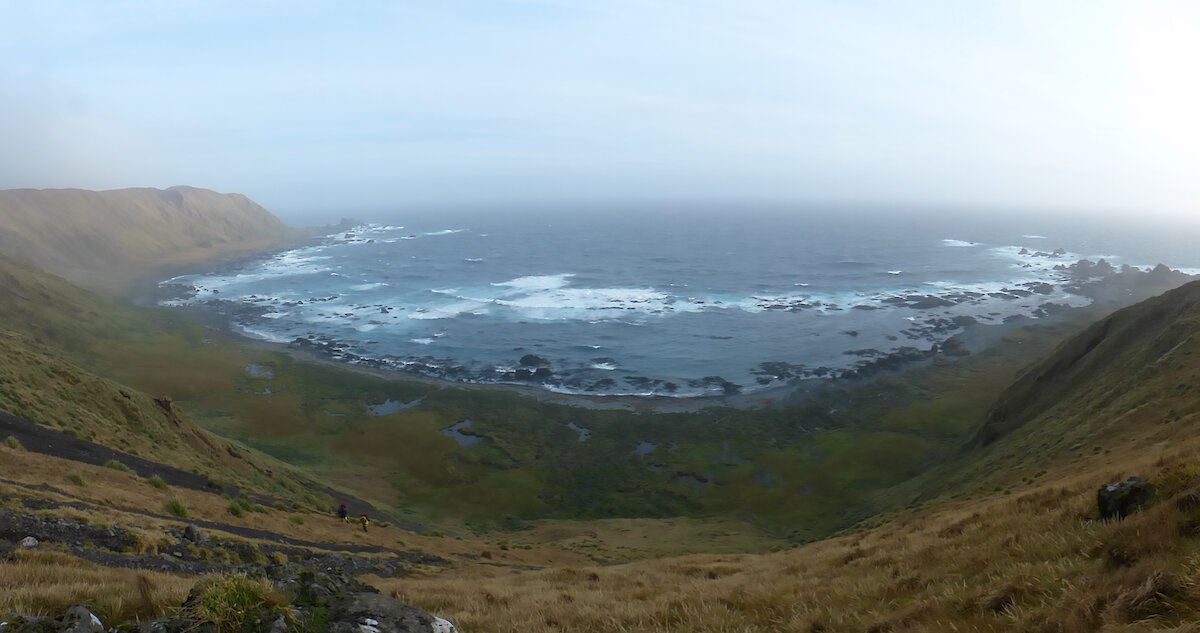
(105, 239)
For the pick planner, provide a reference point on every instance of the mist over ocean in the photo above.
(662, 303)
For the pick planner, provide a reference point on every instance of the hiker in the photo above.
(364, 521)
(343, 514)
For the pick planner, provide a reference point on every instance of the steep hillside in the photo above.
(42, 317)
(105, 239)
(1140, 356)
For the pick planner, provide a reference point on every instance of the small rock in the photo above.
(441, 625)
(153, 626)
(29, 542)
(1122, 498)
(279, 626)
(193, 534)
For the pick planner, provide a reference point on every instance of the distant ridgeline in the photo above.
(106, 239)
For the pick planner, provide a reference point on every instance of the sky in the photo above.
(324, 109)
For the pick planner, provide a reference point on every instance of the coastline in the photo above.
(1107, 293)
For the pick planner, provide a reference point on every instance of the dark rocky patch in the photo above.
(1121, 498)
(533, 360)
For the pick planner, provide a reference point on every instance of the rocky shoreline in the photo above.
(937, 336)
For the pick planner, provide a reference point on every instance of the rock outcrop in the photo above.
(1122, 498)
(304, 599)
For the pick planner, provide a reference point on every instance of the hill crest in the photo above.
(108, 239)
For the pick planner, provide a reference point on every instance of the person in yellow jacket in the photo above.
(364, 521)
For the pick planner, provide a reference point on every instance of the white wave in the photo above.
(959, 243)
(446, 311)
(382, 228)
(444, 232)
(473, 260)
(421, 341)
(263, 334)
(1034, 237)
(603, 366)
(536, 282)
(368, 286)
(894, 272)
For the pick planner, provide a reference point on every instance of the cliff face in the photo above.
(106, 239)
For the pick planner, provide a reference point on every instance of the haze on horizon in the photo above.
(319, 109)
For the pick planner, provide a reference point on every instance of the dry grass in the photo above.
(43, 583)
(1039, 560)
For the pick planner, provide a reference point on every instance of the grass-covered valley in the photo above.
(957, 493)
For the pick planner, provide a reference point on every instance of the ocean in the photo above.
(668, 302)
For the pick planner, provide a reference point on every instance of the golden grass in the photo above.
(44, 583)
(1036, 560)
(121, 500)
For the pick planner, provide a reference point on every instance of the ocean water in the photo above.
(678, 303)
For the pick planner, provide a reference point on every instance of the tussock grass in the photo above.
(157, 482)
(117, 466)
(75, 479)
(226, 601)
(175, 507)
(44, 583)
(13, 443)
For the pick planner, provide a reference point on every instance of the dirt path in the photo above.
(36, 503)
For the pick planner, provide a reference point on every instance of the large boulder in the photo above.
(76, 619)
(193, 534)
(1122, 498)
(377, 613)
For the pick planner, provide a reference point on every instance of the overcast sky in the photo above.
(321, 109)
